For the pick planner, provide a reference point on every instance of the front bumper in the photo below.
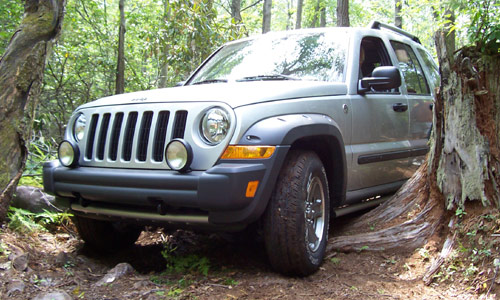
(219, 193)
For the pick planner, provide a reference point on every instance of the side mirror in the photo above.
(180, 83)
(383, 78)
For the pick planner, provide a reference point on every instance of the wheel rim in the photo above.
(314, 213)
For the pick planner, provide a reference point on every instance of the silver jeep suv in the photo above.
(285, 130)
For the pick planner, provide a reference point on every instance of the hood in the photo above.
(233, 94)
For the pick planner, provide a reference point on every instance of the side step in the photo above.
(342, 211)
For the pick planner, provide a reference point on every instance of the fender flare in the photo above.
(283, 132)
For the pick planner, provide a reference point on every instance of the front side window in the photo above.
(372, 54)
(299, 56)
(411, 69)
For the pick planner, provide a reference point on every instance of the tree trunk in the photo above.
(322, 21)
(298, 22)
(120, 64)
(236, 11)
(266, 19)
(398, 19)
(21, 74)
(343, 13)
(164, 48)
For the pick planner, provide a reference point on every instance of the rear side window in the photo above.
(431, 66)
(411, 68)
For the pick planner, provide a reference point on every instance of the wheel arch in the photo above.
(314, 132)
(332, 155)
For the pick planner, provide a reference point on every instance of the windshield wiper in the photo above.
(210, 81)
(268, 77)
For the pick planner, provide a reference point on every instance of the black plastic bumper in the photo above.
(220, 191)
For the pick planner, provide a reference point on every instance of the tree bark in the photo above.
(21, 74)
(298, 22)
(266, 19)
(343, 13)
(236, 11)
(120, 64)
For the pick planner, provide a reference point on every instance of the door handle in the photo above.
(400, 107)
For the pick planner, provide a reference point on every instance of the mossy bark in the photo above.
(21, 73)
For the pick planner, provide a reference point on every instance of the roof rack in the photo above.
(378, 25)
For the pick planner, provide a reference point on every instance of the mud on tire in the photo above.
(297, 217)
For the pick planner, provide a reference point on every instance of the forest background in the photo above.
(165, 40)
(115, 46)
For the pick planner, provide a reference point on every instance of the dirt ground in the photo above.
(235, 268)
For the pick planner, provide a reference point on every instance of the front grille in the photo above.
(131, 136)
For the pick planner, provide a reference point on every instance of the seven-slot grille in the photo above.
(132, 136)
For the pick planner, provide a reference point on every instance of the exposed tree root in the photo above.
(406, 221)
(436, 264)
(413, 192)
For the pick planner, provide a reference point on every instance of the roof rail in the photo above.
(378, 25)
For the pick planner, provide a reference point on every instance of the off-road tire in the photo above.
(288, 246)
(105, 235)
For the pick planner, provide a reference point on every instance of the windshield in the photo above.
(294, 56)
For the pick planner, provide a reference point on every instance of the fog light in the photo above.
(68, 154)
(179, 155)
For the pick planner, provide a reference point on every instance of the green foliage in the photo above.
(166, 39)
(10, 17)
(476, 23)
(230, 282)
(24, 221)
(484, 28)
(190, 263)
(335, 260)
(40, 151)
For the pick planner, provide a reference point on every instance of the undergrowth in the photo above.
(475, 260)
(24, 221)
(188, 263)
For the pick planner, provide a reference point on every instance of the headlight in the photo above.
(179, 155)
(68, 154)
(79, 127)
(215, 125)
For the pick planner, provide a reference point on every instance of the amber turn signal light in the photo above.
(248, 152)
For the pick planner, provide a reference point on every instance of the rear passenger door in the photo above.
(420, 100)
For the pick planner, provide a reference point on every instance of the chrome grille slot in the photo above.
(115, 136)
(180, 124)
(101, 141)
(160, 135)
(91, 136)
(129, 136)
(142, 147)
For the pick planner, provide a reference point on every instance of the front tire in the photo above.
(297, 217)
(106, 236)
